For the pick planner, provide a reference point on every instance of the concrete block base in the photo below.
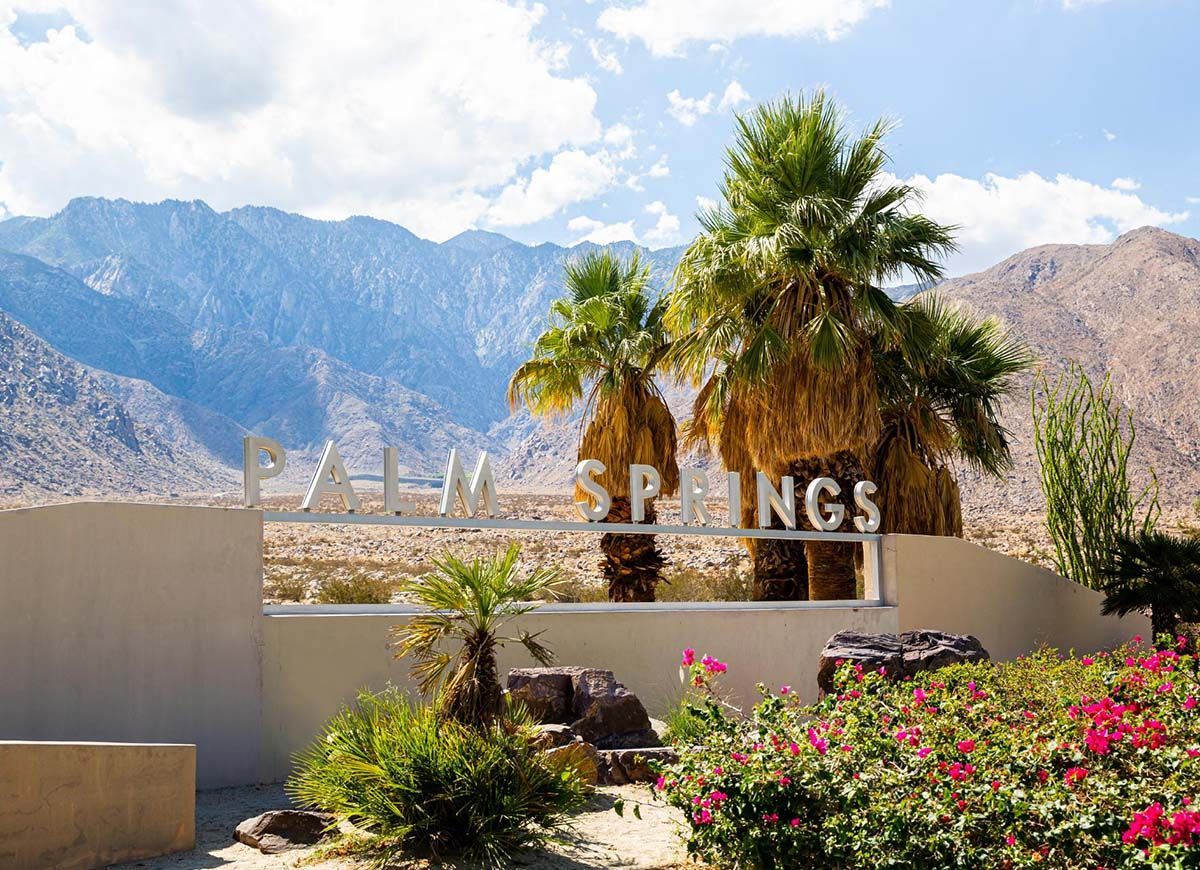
(78, 806)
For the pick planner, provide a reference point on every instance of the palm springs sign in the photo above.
(479, 490)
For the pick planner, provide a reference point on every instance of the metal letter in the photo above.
(734, 482)
(254, 474)
(392, 503)
(583, 479)
(330, 477)
(644, 484)
(482, 484)
(863, 490)
(693, 487)
(784, 501)
(813, 506)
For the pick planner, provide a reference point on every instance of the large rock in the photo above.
(596, 705)
(901, 655)
(553, 735)
(623, 766)
(606, 711)
(545, 691)
(579, 756)
(280, 830)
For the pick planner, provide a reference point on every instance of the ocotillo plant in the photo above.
(1084, 439)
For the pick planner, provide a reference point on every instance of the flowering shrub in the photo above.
(1055, 762)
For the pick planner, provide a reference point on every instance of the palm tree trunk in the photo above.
(473, 696)
(632, 564)
(831, 574)
(1163, 621)
(780, 569)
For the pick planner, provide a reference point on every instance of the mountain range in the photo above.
(142, 341)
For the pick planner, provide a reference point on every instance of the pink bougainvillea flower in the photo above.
(1190, 703)
(1137, 638)
(818, 743)
(966, 746)
(660, 783)
(703, 817)
(919, 696)
(1010, 840)
(923, 751)
(689, 657)
(785, 690)
(795, 823)
(1087, 660)
(1181, 642)
(1075, 775)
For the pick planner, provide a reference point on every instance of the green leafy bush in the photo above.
(395, 769)
(1088, 762)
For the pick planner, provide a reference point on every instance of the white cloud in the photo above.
(604, 57)
(999, 216)
(688, 110)
(572, 176)
(664, 231)
(1125, 184)
(705, 204)
(733, 97)
(410, 112)
(659, 169)
(599, 232)
(1109, 136)
(666, 228)
(666, 26)
(1193, 200)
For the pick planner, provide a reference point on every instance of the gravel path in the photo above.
(602, 839)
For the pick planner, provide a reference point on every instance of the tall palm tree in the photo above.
(604, 343)
(940, 387)
(467, 603)
(781, 288)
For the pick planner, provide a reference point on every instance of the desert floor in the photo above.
(600, 838)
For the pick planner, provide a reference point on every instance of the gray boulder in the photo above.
(901, 655)
(280, 830)
(592, 701)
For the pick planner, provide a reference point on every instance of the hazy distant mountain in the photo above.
(214, 324)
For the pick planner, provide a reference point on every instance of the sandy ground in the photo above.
(601, 838)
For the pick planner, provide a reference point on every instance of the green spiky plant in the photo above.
(774, 300)
(417, 782)
(1084, 440)
(466, 604)
(1154, 572)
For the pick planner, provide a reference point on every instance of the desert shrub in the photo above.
(1084, 440)
(416, 781)
(288, 587)
(1047, 761)
(692, 584)
(356, 588)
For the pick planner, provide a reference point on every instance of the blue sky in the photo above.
(1026, 121)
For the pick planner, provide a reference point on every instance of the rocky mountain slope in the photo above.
(64, 431)
(1131, 308)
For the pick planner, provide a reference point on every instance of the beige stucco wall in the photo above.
(1013, 607)
(313, 664)
(77, 806)
(141, 623)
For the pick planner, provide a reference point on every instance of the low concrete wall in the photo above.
(77, 806)
(1013, 607)
(316, 662)
(145, 623)
(140, 623)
